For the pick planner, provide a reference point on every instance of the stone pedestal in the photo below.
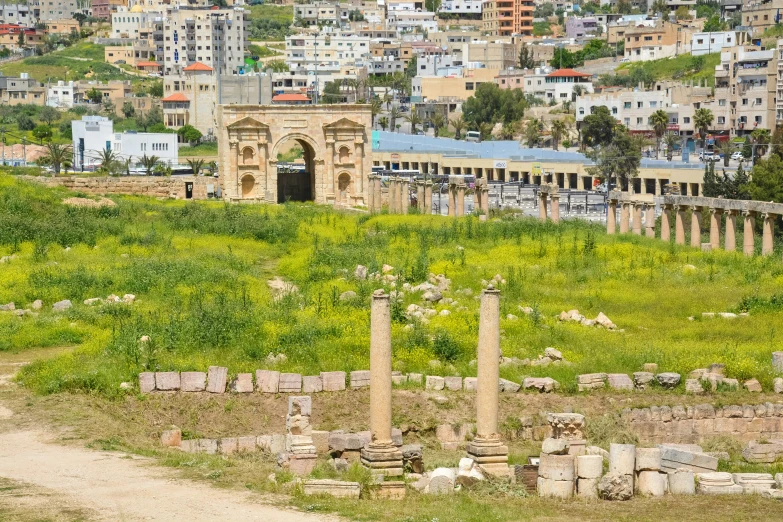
(666, 223)
(649, 221)
(715, 227)
(461, 199)
(555, 208)
(381, 455)
(730, 240)
(486, 449)
(420, 196)
(452, 192)
(405, 196)
(542, 206)
(428, 197)
(625, 217)
(299, 441)
(696, 227)
(748, 240)
(767, 236)
(637, 219)
(679, 225)
(611, 217)
(377, 194)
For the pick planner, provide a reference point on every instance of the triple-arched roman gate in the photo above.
(337, 155)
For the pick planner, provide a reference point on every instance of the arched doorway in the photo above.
(248, 183)
(295, 170)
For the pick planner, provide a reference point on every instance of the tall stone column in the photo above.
(485, 199)
(679, 225)
(486, 449)
(420, 196)
(233, 185)
(460, 199)
(748, 241)
(611, 217)
(380, 454)
(555, 211)
(358, 162)
(378, 196)
(331, 192)
(730, 239)
(371, 193)
(405, 195)
(649, 220)
(452, 199)
(625, 217)
(394, 195)
(696, 227)
(428, 197)
(666, 223)
(637, 218)
(542, 206)
(715, 227)
(766, 238)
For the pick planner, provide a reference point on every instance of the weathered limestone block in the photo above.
(673, 458)
(763, 453)
(587, 487)
(752, 385)
(651, 483)
(754, 483)
(312, 384)
(777, 361)
(557, 467)
(435, 383)
(648, 459)
(360, 379)
(453, 383)
(668, 379)
(548, 488)
(693, 386)
(412, 457)
(453, 432)
(681, 482)
(643, 379)
(320, 441)
(542, 384)
(777, 384)
(242, 383)
(333, 381)
(590, 381)
(167, 381)
(615, 486)
(334, 488)
(622, 458)
(507, 386)
(566, 425)
(193, 381)
(216, 379)
(470, 383)
(589, 466)
(442, 481)
(227, 446)
(171, 438)
(415, 378)
(146, 382)
(290, 383)
(390, 489)
(619, 381)
(246, 444)
(553, 446)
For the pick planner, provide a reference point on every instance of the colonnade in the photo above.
(549, 202)
(398, 199)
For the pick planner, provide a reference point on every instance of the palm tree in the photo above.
(670, 140)
(414, 119)
(383, 121)
(126, 166)
(387, 100)
(659, 121)
(485, 129)
(533, 130)
(375, 107)
(702, 120)
(438, 121)
(195, 165)
(558, 131)
(394, 114)
(727, 148)
(507, 132)
(57, 156)
(459, 125)
(149, 162)
(353, 83)
(108, 158)
(761, 138)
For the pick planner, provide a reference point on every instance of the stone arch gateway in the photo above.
(326, 132)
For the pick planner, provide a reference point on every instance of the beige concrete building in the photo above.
(664, 40)
(432, 88)
(322, 13)
(65, 26)
(760, 15)
(21, 91)
(337, 153)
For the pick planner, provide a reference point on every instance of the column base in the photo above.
(382, 460)
(302, 465)
(491, 456)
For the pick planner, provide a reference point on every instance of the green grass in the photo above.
(263, 51)
(54, 66)
(203, 149)
(683, 67)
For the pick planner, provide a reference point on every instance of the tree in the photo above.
(558, 131)
(670, 140)
(532, 133)
(565, 59)
(459, 125)
(617, 161)
(94, 95)
(195, 165)
(383, 121)
(491, 104)
(736, 187)
(57, 156)
(189, 133)
(375, 109)
(49, 115)
(128, 110)
(624, 7)
(683, 13)
(438, 121)
(777, 141)
(727, 148)
(108, 108)
(20, 41)
(714, 24)
(659, 120)
(485, 130)
(156, 90)
(702, 120)
(712, 187)
(526, 60)
(414, 119)
(747, 148)
(148, 163)
(394, 114)
(598, 128)
(42, 132)
(761, 138)
(660, 7)
(387, 100)
(108, 160)
(355, 16)
(432, 5)
(767, 180)
(331, 93)
(507, 132)
(24, 122)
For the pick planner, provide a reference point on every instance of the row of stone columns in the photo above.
(549, 200)
(424, 197)
(456, 193)
(481, 196)
(678, 211)
(486, 449)
(374, 198)
(399, 195)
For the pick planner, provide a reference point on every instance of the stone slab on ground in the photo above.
(146, 382)
(193, 381)
(312, 384)
(360, 379)
(268, 381)
(290, 383)
(548, 488)
(469, 384)
(242, 383)
(167, 381)
(507, 386)
(435, 383)
(217, 376)
(333, 381)
(682, 482)
(415, 378)
(453, 383)
(619, 381)
(673, 458)
(334, 488)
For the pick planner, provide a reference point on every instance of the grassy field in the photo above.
(684, 67)
(81, 61)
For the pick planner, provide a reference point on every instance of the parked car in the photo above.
(709, 156)
(473, 136)
(738, 156)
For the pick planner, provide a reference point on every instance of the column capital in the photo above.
(769, 215)
(696, 208)
(749, 213)
(717, 210)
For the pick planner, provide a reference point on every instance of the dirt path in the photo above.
(118, 486)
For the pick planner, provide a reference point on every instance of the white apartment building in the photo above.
(322, 12)
(134, 23)
(437, 65)
(20, 14)
(405, 21)
(60, 95)
(330, 51)
(633, 108)
(461, 6)
(215, 37)
(557, 85)
(706, 43)
(92, 134)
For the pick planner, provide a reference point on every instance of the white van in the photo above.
(473, 136)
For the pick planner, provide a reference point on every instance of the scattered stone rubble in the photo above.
(601, 320)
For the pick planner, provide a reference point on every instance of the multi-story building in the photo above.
(215, 37)
(390, 56)
(45, 10)
(139, 51)
(322, 13)
(508, 17)
(65, 95)
(20, 14)
(462, 87)
(453, 40)
(494, 55)
(663, 40)
(325, 52)
(93, 134)
(100, 9)
(462, 7)
(745, 90)
(557, 85)
(404, 21)
(714, 42)
(134, 23)
(439, 65)
(191, 98)
(21, 91)
(10, 37)
(579, 27)
(760, 15)
(68, 26)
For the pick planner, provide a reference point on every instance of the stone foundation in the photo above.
(151, 186)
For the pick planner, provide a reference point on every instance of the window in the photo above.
(758, 101)
(627, 122)
(722, 103)
(686, 119)
(639, 121)
(653, 104)
(721, 119)
(700, 41)
(744, 101)
(758, 120)
(639, 105)
(581, 111)
(627, 105)
(468, 86)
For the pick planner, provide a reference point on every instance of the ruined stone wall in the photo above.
(158, 187)
(694, 424)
